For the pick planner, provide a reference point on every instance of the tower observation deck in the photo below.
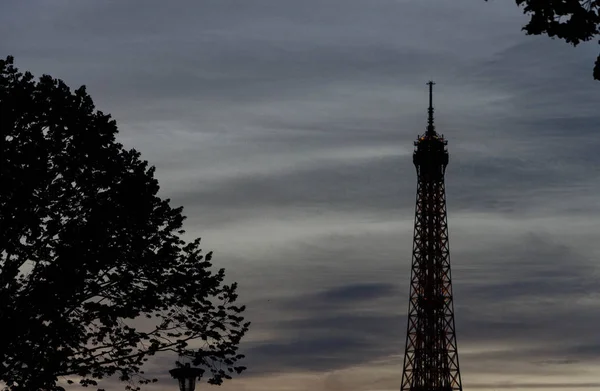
(431, 356)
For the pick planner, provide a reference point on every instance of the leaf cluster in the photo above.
(87, 249)
(573, 21)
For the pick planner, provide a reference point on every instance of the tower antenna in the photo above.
(430, 127)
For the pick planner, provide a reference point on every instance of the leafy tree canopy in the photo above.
(573, 21)
(87, 249)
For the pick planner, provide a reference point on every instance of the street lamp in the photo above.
(186, 376)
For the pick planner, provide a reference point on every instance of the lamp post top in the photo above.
(186, 376)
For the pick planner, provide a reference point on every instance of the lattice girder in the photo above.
(431, 356)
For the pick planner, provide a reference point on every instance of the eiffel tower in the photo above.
(431, 356)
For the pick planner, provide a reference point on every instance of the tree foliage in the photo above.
(87, 249)
(573, 21)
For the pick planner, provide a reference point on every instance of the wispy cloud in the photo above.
(285, 129)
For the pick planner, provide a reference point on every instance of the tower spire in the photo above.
(430, 127)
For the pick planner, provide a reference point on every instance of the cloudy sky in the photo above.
(285, 129)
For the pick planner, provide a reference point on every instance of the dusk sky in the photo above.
(286, 129)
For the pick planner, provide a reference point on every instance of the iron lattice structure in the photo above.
(431, 357)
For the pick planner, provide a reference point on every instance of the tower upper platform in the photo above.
(431, 153)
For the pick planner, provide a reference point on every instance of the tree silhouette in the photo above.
(573, 21)
(87, 249)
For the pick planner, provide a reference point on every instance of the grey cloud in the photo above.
(533, 385)
(231, 53)
(532, 293)
(515, 66)
(264, 119)
(341, 187)
(342, 342)
(356, 292)
(330, 304)
(387, 185)
(333, 334)
(314, 354)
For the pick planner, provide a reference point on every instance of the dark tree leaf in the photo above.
(573, 21)
(86, 246)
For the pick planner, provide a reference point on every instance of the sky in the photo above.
(286, 128)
